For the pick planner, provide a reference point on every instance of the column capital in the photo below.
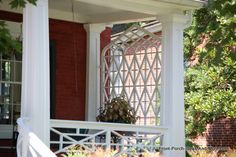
(174, 18)
(96, 28)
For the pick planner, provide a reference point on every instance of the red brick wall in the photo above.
(70, 40)
(221, 133)
(105, 37)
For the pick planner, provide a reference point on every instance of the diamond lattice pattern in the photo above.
(131, 67)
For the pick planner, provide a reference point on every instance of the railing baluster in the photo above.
(108, 140)
(93, 144)
(78, 131)
(61, 142)
(122, 144)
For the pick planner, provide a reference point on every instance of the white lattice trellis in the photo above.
(131, 67)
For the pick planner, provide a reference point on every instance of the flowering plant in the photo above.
(117, 110)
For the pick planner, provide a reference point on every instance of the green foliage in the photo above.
(20, 3)
(7, 43)
(216, 24)
(117, 110)
(210, 86)
(210, 94)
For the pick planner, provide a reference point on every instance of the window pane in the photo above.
(18, 56)
(15, 93)
(10, 88)
(16, 113)
(6, 69)
(6, 56)
(17, 72)
(5, 114)
(5, 93)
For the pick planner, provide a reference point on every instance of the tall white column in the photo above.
(35, 79)
(172, 84)
(93, 70)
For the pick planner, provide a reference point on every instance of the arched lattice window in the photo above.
(131, 68)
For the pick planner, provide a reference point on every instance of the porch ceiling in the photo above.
(120, 11)
(113, 11)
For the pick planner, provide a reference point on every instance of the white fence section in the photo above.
(28, 144)
(131, 67)
(124, 138)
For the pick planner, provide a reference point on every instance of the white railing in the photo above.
(28, 144)
(124, 138)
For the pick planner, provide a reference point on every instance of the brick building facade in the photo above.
(220, 133)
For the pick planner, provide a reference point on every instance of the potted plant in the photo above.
(117, 110)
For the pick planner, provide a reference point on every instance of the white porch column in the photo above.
(35, 74)
(172, 84)
(93, 70)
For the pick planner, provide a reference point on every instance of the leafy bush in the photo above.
(210, 93)
(117, 110)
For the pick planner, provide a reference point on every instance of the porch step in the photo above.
(7, 148)
(7, 152)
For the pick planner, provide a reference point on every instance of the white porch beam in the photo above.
(172, 83)
(35, 77)
(123, 5)
(151, 7)
(120, 17)
(93, 70)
